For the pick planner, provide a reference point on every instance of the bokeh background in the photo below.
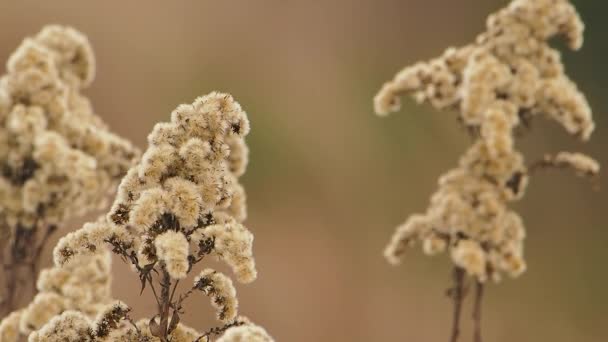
(328, 181)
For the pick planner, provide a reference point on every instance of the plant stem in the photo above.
(457, 294)
(477, 312)
(165, 305)
(21, 268)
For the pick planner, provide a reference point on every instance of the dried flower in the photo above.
(58, 159)
(172, 249)
(180, 203)
(246, 333)
(9, 327)
(223, 295)
(82, 286)
(109, 319)
(497, 84)
(70, 326)
(232, 243)
(74, 326)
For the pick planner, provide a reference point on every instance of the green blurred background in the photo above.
(328, 181)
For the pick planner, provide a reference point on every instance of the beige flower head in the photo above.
(183, 192)
(246, 333)
(58, 159)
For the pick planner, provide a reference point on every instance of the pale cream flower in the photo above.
(9, 327)
(232, 244)
(470, 256)
(70, 326)
(582, 164)
(223, 294)
(246, 333)
(172, 249)
(45, 306)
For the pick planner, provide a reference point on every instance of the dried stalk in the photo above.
(21, 266)
(457, 294)
(477, 312)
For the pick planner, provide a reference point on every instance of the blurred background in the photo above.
(328, 180)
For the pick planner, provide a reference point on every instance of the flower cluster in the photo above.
(57, 158)
(180, 203)
(246, 333)
(497, 84)
(113, 324)
(73, 326)
(223, 295)
(83, 286)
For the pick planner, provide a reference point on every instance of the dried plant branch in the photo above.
(477, 312)
(180, 203)
(457, 293)
(57, 158)
(219, 330)
(497, 84)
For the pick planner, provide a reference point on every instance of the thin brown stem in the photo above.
(477, 312)
(457, 294)
(17, 270)
(35, 259)
(22, 264)
(218, 330)
(166, 304)
(133, 324)
(149, 279)
(10, 286)
(173, 292)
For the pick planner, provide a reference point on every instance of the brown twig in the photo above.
(165, 305)
(20, 269)
(35, 264)
(173, 292)
(477, 312)
(149, 279)
(457, 294)
(218, 330)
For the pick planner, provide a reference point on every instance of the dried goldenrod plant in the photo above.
(497, 84)
(57, 158)
(83, 286)
(180, 204)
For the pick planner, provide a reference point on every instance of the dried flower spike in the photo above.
(58, 159)
(179, 204)
(497, 84)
